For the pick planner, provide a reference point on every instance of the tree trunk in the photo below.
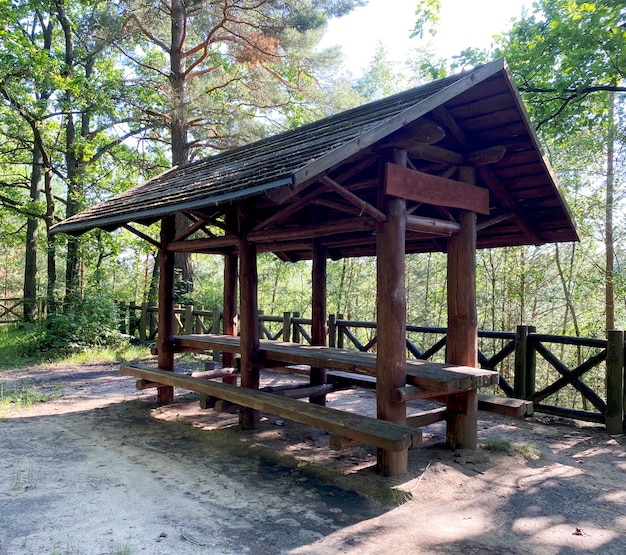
(608, 238)
(30, 263)
(179, 130)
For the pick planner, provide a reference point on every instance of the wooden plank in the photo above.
(364, 429)
(422, 187)
(426, 418)
(507, 406)
(432, 376)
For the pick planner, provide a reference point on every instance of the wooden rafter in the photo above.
(142, 235)
(198, 224)
(346, 208)
(315, 230)
(493, 221)
(289, 210)
(363, 206)
(503, 195)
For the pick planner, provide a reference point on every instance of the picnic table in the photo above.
(449, 384)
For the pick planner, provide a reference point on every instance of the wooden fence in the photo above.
(571, 377)
(11, 310)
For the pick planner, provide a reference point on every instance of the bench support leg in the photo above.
(462, 427)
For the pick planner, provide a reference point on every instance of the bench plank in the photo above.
(380, 433)
(506, 406)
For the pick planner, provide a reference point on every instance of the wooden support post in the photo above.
(318, 321)
(250, 338)
(391, 321)
(462, 341)
(614, 382)
(229, 312)
(165, 338)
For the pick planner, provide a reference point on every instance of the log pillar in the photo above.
(249, 319)
(229, 311)
(318, 321)
(462, 340)
(165, 337)
(391, 321)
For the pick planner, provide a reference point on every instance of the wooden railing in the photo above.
(571, 377)
(11, 310)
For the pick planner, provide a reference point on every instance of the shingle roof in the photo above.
(482, 104)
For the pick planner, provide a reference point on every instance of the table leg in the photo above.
(461, 420)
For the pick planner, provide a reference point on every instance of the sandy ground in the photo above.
(99, 469)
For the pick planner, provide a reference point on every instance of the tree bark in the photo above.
(608, 238)
(32, 228)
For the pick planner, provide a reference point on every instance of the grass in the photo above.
(19, 347)
(26, 395)
(499, 445)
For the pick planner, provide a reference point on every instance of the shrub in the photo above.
(92, 322)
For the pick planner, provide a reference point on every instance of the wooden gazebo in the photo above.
(450, 166)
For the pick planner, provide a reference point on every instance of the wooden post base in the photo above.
(461, 420)
(165, 394)
(392, 463)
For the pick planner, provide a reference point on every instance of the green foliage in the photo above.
(92, 322)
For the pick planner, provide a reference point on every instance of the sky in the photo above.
(463, 23)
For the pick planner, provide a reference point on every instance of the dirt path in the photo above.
(102, 470)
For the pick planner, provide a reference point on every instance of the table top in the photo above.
(433, 376)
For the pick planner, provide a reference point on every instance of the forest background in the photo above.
(98, 96)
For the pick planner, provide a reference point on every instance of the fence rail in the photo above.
(584, 381)
(10, 310)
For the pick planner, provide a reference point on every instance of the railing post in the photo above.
(133, 320)
(215, 324)
(615, 382)
(286, 326)
(121, 316)
(332, 330)
(296, 329)
(215, 328)
(339, 333)
(531, 364)
(153, 312)
(188, 323)
(143, 323)
(521, 363)
(261, 331)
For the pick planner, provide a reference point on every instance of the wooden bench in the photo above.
(507, 406)
(362, 429)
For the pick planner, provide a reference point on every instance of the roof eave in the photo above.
(81, 226)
